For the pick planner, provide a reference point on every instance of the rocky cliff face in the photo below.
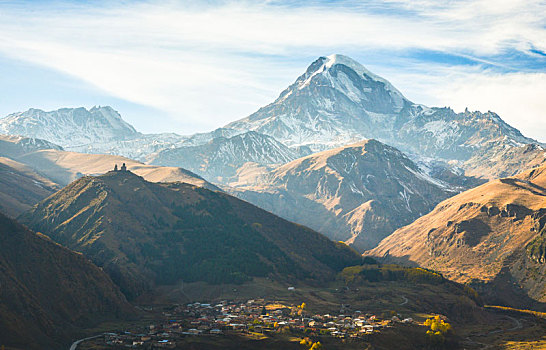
(492, 236)
(219, 159)
(358, 193)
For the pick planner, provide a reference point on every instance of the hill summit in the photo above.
(192, 234)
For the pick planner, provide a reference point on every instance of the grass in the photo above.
(525, 345)
(511, 309)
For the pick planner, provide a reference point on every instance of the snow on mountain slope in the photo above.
(98, 130)
(69, 127)
(358, 193)
(14, 146)
(334, 102)
(219, 159)
(337, 101)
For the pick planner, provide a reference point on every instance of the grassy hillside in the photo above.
(21, 187)
(492, 236)
(49, 293)
(146, 234)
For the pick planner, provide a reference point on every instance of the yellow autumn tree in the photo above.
(306, 342)
(316, 346)
(438, 329)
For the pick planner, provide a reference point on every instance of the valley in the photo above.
(226, 318)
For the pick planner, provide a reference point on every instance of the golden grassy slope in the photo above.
(21, 187)
(480, 234)
(65, 167)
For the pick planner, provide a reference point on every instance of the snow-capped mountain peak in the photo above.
(69, 127)
(335, 102)
(350, 78)
(113, 118)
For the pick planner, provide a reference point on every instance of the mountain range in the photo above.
(340, 164)
(220, 158)
(32, 169)
(334, 103)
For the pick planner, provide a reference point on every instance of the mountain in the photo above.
(97, 130)
(337, 101)
(49, 161)
(33, 169)
(496, 160)
(15, 146)
(21, 187)
(69, 127)
(358, 193)
(64, 167)
(493, 236)
(192, 234)
(49, 293)
(219, 159)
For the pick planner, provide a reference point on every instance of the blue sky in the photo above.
(189, 66)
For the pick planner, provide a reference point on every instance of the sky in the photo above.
(193, 66)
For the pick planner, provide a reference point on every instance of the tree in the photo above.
(306, 342)
(316, 346)
(438, 329)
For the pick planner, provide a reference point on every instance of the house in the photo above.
(315, 324)
(368, 328)
(165, 344)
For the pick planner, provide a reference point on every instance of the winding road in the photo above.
(78, 342)
(517, 325)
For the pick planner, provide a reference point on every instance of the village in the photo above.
(251, 317)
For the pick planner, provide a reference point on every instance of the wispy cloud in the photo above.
(208, 64)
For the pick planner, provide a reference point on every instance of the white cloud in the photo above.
(518, 98)
(208, 65)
